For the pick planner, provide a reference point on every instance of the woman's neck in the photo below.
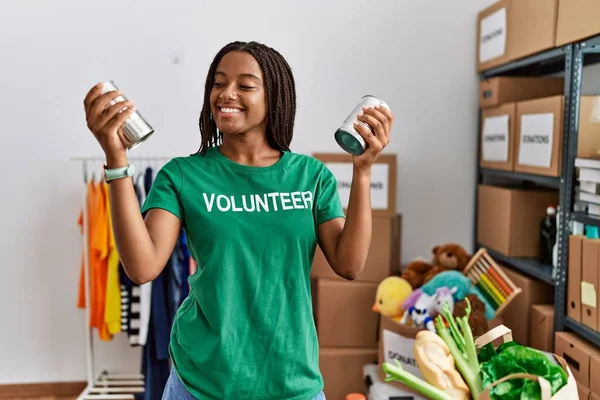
(252, 151)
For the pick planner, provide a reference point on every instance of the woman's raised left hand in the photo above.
(380, 119)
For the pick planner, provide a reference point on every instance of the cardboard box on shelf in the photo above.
(583, 392)
(539, 136)
(498, 137)
(384, 254)
(383, 180)
(343, 313)
(518, 313)
(505, 31)
(342, 370)
(509, 89)
(541, 329)
(508, 219)
(577, 20)
(595, 371)
(588, 138)
(590, 281)
(574, 269)
(578, 354)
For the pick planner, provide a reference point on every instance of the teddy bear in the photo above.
(415, 272)
(447, 257)
(477, 318)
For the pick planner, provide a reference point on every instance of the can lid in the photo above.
(355, 396)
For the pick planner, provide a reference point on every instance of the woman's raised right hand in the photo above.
(105, 122)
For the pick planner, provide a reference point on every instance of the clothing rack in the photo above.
(104, 386)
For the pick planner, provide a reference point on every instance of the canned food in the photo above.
(347, 136)
(135, 128)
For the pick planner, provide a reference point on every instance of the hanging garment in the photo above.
(98, 258)
(112, 312)
(146, 288)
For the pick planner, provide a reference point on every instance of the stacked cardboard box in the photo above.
(505, 32)
(346, 324)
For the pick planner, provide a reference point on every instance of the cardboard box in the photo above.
(578, 353)
(588, 139)
(595, 372)
(541, 329)
(508, 219)
(505, 31)
(508, 89)
(593, 396)
(574, 269)
(577, 20)
(498, 137)
(384, 254)
(583, 392)
(343, 313)
(539, 136)
(342, 370)
(383, 180)
(590, 280)
(517, 314)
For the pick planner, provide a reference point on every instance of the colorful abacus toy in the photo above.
(490, 281)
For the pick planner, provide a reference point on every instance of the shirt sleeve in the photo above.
(328, 202)
(166, 190)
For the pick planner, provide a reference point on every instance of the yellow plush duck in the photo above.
(391, 292)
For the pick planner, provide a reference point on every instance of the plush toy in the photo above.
(415, 272)
(421, 314)
(447, 257)
(477, 318)
(391, 292)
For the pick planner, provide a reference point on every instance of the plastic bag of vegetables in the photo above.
(512, 371)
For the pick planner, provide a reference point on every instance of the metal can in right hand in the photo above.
(346, 135)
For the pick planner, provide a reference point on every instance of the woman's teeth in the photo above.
(230, 110)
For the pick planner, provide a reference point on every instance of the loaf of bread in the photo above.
(437, 365)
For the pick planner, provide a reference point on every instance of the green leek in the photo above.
(397, 373)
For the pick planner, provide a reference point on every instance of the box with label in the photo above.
(383, 180)
(508, 218)
(590, 281)
(539, 136)
(505, 31)
(509, 89)
(343, 312)
(498, 137)
(383, 259)
(577, 20)
(578, 354)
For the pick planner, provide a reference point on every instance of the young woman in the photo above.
(254, 213)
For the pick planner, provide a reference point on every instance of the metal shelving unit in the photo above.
(569, 59)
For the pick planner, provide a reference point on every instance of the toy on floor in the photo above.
(391, 292)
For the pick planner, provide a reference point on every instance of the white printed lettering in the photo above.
(297, 200)
(307, 198)
(233, 207)
(272, 196)
(285, 200)
(227, 205)
(246, 207)
(209, 203)
(262, 201)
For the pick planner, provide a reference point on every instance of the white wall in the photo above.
(417, 55)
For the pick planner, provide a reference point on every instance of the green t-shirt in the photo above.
(246, 330)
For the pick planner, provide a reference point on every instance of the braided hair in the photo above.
(280, 92)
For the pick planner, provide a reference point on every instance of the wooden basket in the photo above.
(490, 281)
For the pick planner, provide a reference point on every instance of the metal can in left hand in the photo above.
(346, 135)
(135, 128)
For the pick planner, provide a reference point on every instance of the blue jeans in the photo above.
(174, 390)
